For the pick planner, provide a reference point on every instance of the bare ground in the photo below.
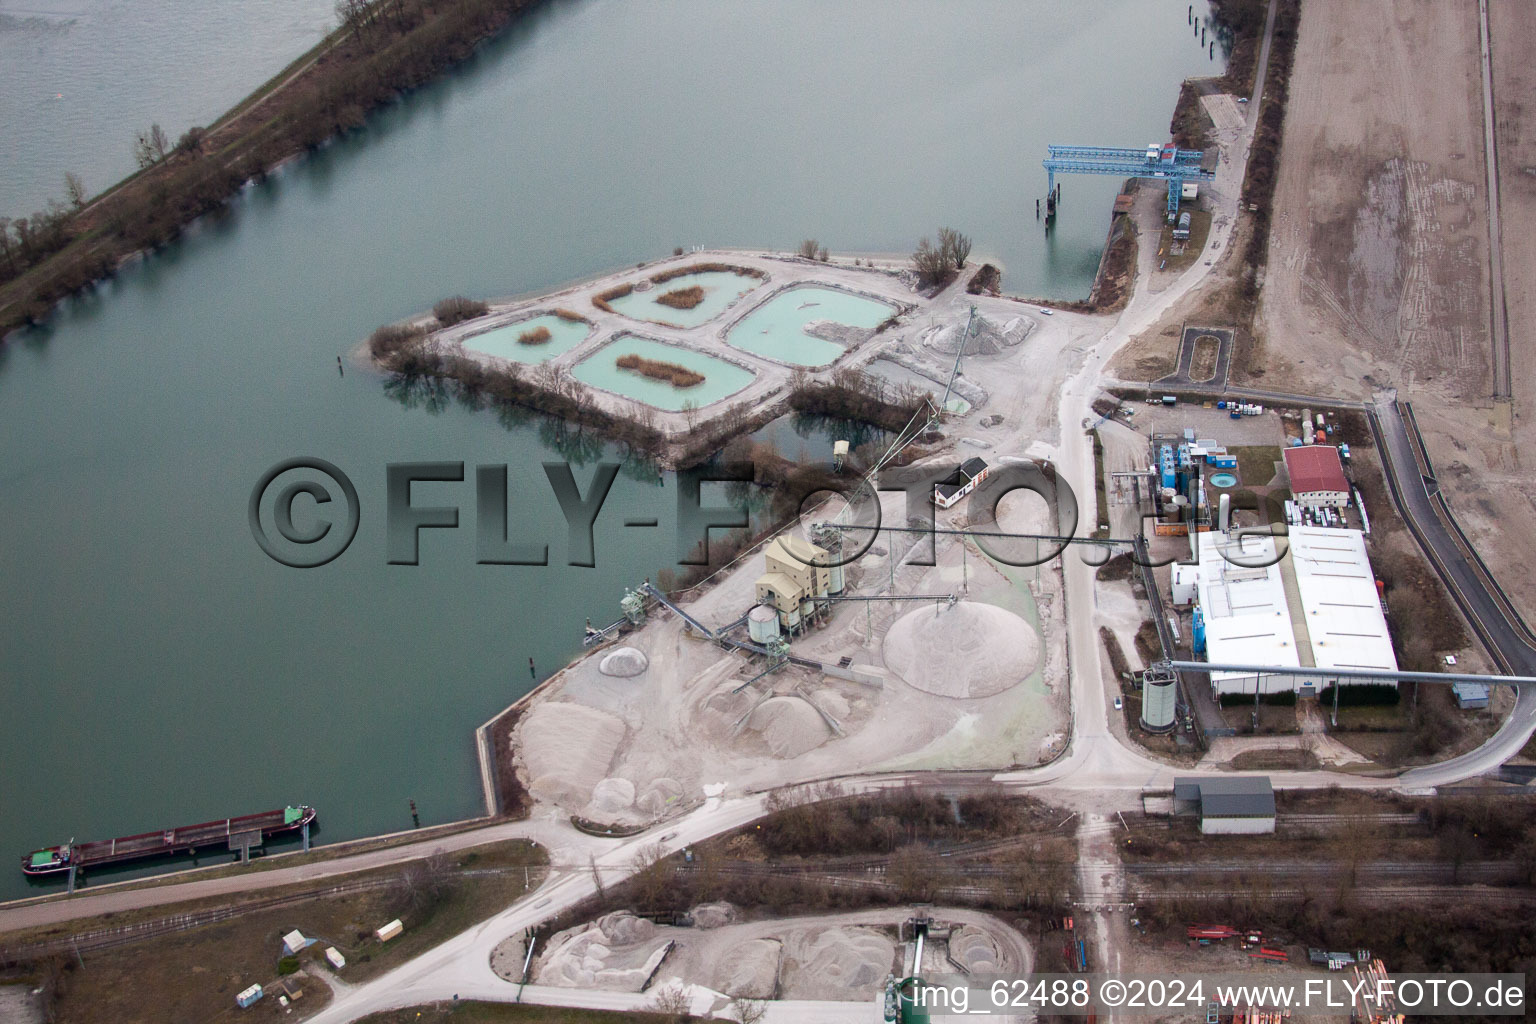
(1378, 260)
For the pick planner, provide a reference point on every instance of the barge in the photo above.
(238, 833)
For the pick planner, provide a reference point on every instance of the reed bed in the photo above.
(677, 376)
(537, 336)
(682, 298)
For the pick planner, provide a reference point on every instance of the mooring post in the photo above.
(71, 888)
(305, 833)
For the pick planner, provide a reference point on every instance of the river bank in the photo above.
(384, 47)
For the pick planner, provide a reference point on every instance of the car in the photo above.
(1047, 312)
(1119, 704)
(1242, 99)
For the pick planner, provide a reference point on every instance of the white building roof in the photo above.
(1339, 599)
(1247, 621)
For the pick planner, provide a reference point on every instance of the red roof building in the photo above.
(1317, 476)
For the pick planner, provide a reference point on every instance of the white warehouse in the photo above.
(1315, 606)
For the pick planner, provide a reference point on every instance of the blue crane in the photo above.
(1166, 161)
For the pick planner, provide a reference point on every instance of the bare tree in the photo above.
(74, 190)
(822, 254)
(931, 263)
(1457, 846)
(673, 1003)
(809, 248)
(424, 882)
(159, 141)
(955, 247)
(747, 1011)
(690, 413)
(143, 152)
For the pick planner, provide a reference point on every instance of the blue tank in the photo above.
(1199, 631)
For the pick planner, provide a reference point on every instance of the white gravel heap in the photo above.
(836, 963)
(750, 969)
(969, 649)
(713, 915)
(975, 950)
(625, 661)
(789, 726)
(611, 953)
(987, 338)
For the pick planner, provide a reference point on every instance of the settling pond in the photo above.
(776, 329)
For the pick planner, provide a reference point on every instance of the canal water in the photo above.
(158, 669)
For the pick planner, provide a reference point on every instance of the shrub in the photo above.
(682, 298)
(457, 309)
(571, 315)
(537, 336)
(1274, 700)
(808, 249)
(602, 299)
(390, 339)
(288, 965)
(677, 376)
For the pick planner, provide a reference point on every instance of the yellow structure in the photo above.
(791, 580)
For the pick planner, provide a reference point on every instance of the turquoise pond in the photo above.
(776, 329)
(502, 341)
(1223, 480)
(720, 377)
(721, 288)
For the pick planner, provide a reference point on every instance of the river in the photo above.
(158, 669)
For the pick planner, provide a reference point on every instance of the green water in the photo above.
(158, 669)
(721, 288)
(721, 378)
(776, 329)
(502, 342)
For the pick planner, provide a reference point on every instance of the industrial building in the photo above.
(1471, 696)
(791, 582)
(1317, 476)
(960, 483)
(1231, 805)
(1317, 606)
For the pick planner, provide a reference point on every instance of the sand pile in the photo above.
(713, 915)
(659, 795)
(987, 337)
(789, 726)
(965, 650)
(566, 750)
(611, 796)
(749, 969)
(975, 950)
(626, 661)
(836, 963)
(615, 952)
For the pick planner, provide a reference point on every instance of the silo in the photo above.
(835, 579)
(1158, 689)
(1224, 513)
(1199, 631)
(762, 624)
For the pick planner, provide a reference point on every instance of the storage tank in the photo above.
(1224, 513)
(1320, 422)
(835, 579)
(1157, 701)
(1197, 630)
(762, 624)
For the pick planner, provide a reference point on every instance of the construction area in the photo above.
(779, 671)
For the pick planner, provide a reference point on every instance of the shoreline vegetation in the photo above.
(537, 336)
(381, 49)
